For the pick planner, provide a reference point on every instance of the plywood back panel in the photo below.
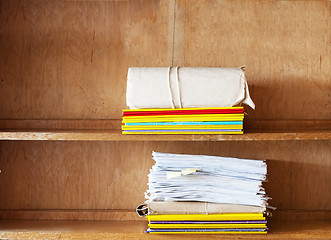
(284, 45)
(113, 175)
(69, 59)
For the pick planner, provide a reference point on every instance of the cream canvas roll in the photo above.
(186, 87)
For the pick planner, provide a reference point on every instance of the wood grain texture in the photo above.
(285, 125)
(298, 215)
(15, 177)
(113, 175)
(134, 230)
(284, 45)
(69, 59)
(131, 215)
(249, 125)
(116, 135)
(72, 215)
(64, 124)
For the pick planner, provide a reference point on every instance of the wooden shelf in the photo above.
(116, 135)
(22, 229)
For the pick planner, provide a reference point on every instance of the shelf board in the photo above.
(116, 135)
(23, 229)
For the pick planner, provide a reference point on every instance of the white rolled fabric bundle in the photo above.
(186, 87)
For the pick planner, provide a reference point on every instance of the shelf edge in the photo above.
(116, 135)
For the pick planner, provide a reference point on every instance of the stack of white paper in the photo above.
(180, 177)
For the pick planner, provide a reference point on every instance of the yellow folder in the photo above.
(209, 225)
(207, 217)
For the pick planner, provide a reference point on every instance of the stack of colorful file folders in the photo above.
(205, 195)
(228, 120)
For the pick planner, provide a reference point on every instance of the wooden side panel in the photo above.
(69, 59)
(284, 45)
(113, 175)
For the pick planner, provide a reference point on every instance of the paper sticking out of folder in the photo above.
(200, 194)
(173, 174)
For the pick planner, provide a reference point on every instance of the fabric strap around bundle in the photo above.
(186, 87)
